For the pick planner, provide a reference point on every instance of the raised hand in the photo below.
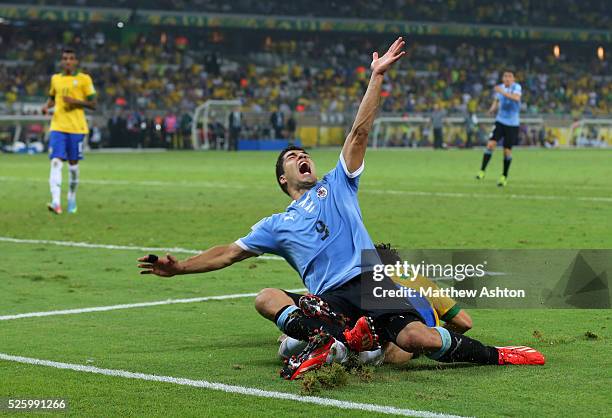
(167, 266)
(394, 53)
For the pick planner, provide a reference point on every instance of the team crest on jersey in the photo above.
(321, 192)
(75, 82)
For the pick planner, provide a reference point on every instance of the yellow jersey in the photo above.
(69, 118)
(445, 307)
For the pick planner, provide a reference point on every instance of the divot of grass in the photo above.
(330, 376)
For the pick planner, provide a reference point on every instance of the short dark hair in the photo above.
(280, 169)
(387, 253)
(508, 70)
(68, 50)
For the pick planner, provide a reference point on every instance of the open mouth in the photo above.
(304, 168)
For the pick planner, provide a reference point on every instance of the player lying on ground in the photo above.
(440, 308)
(321, 235)
(71, 92)
(507, 104)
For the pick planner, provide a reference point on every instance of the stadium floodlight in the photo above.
(220, 109)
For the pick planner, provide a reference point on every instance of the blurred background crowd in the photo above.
(150, 79)
(573, 13)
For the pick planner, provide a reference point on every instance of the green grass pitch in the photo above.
(414, 199)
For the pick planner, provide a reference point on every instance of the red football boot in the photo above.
(57, 209)
(318, 352)
(362, 337)
(520, 354)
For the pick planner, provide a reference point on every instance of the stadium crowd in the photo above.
(160, 71)
(571, 13)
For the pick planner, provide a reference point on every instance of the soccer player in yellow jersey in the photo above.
(71, 92)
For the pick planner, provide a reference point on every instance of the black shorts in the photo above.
(348, 300)
(509, 134)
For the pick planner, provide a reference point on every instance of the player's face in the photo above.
(68, 61)
(508, 79)
(299, 170)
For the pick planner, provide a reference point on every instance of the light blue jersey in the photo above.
(321, 235)
(508, 111)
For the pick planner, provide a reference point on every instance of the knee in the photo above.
(395, 355)
(263, 298)
(418, 339)
(269, 302)
(462, 322)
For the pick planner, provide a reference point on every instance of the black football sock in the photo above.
(507, 161)
(293, 322)
(486, 157)
(459, 348)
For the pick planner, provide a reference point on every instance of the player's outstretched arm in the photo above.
(355, 145)
(214, 258)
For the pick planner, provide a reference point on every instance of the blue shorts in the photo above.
(66, 146)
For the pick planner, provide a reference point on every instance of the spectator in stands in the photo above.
(170, 130)
(133, 121)
(277, 121)
(117, 128)
(291, 128)
(216, 134)
(437, 122)
(235, 128)
(470, 123)
(95, 137)
(185, 128)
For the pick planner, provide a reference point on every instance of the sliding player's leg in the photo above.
(283, 309)
(322, 321)
(324, 340)
(448, 346)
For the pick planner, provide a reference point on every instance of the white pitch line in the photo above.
(366, 190)
(492, 195)
(113, 247)
(145, 183)
(235, 389)
(131, 305)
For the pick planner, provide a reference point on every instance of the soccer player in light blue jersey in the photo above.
(507, 104)
(321, 234)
